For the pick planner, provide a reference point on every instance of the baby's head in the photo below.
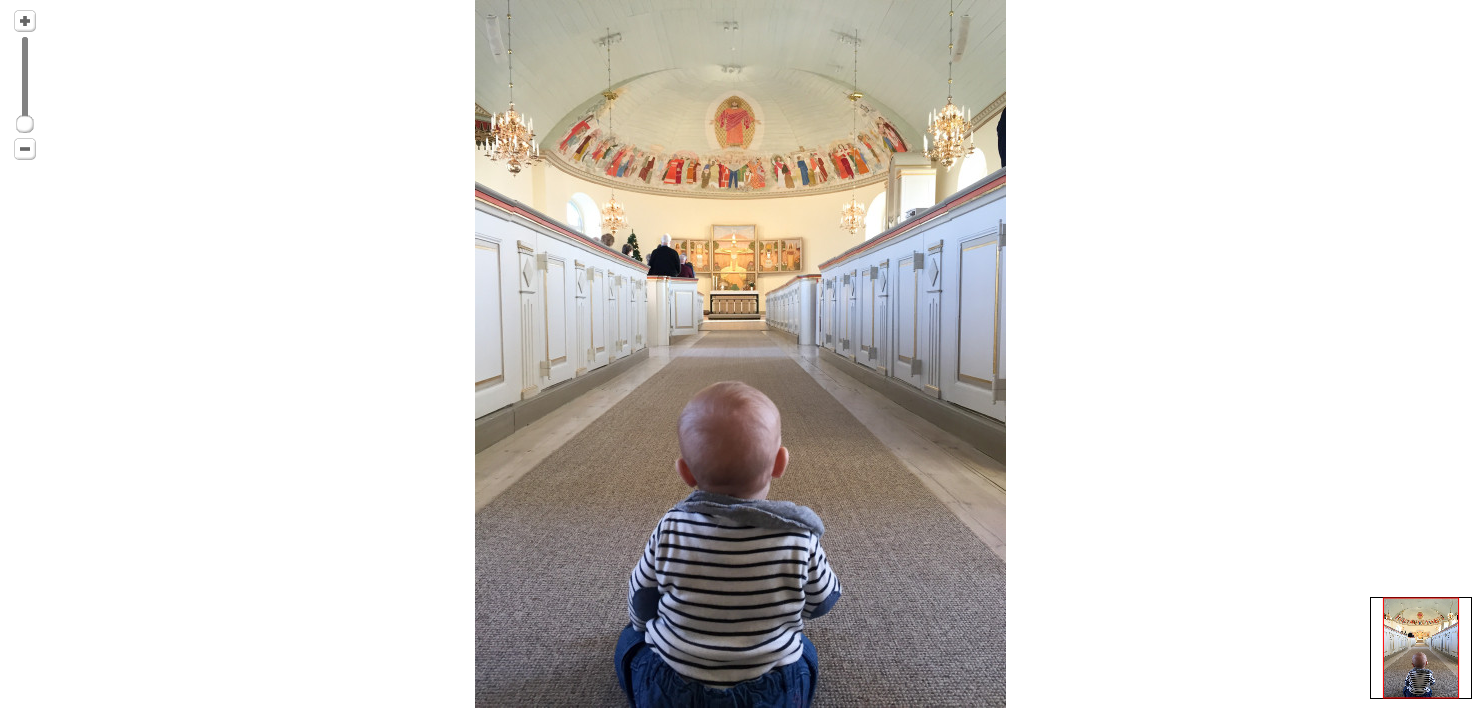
(730, 441)
(1419, 660)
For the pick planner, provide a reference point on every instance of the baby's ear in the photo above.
(782, 458)
(684, 472)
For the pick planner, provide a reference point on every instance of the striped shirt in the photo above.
(723, 601)
(1419, 681)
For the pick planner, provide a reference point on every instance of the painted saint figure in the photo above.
(672, 174)
(757, 174)
(891, 136)
(582, 150)
(576, 130)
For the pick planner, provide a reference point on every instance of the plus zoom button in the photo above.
(25, 20)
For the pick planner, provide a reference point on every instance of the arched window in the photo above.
(583, 217)
(574, 218)
(874, 218)
(974, 167)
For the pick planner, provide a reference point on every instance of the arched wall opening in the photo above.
(874, 218)
(583, 216)
(974, 167)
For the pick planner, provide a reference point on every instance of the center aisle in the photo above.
(1396, 667)
(921, 620)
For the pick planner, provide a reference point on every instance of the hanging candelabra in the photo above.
(613, 217)
(852, 218)
(950, 135)
(512, 136)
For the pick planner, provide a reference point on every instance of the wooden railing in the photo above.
(793, 308)
(923, 303)
(549, 304)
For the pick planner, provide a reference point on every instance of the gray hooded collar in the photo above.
(756, 512)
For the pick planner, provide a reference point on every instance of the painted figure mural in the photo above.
(892, 137)
(729, 166)
(734, 123)
(576, 131)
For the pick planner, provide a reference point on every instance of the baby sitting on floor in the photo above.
(1420, 683)
(718, 597)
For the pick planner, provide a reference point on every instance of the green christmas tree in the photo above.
(632, 240)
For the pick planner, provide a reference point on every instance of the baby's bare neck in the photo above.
(754, 495)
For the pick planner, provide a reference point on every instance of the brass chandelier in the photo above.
(613, 217)
(512, 136)
(852, 218)
(950, 128)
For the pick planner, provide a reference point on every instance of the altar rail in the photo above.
(793, 308)
(675, 308)
(550, 305)
(922, 303)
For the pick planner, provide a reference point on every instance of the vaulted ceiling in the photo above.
(1411, 607)
(790, 49)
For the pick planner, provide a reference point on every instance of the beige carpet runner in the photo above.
(921, 620)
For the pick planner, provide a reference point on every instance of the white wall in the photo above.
(948, 179)
(520, 188)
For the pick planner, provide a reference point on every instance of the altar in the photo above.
(735, 305)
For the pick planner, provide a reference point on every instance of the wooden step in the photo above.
(733, 325)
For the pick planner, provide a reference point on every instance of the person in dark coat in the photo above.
(1003, 138)
(664, 260)
(685, 270)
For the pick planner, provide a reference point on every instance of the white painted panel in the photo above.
(850, 332)
(683, 303)
(979, 270)
(640, 285)
(555, 312)
(599, 318)
(865, 299)
(1003, 316)
(882, 325)
(619, 333)
(530, 322)
(610, 336)
(905, 300)
(487, 313)
(583, 325)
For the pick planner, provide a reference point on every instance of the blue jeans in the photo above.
(1408, 694)
(647, 681)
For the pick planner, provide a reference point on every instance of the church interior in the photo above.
(833, 176)
(1425, 626)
